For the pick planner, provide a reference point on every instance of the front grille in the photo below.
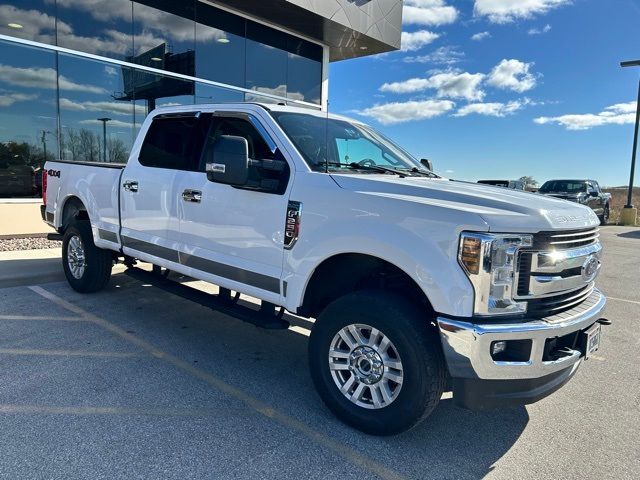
(565, 240)
(524, 269)
(555, 304)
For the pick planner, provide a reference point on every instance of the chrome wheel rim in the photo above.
(365, 366)
(76, 257)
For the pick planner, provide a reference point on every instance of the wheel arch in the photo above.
(72, 208)
(348, 272)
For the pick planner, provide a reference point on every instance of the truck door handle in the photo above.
(194, 196)
(131, 186)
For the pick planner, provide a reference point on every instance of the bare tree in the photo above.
(116, 151)
(529, 182)
(90, 146)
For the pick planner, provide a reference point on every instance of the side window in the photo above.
(590, 188)
(263, 176)
(169, 143)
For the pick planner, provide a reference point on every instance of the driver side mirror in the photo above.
(593, 193)
(228, 161)
(427, 163)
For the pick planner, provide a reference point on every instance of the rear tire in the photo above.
(87, 267)
(412, 355)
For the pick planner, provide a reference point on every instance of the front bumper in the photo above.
(467, 349)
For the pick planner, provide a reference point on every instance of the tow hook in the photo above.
(604, 321)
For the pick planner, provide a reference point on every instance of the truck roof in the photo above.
(208, 107)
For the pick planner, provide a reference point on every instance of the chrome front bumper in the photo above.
(467, 345)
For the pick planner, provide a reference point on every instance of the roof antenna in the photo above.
(326, 140)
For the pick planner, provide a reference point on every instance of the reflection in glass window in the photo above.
(29, 19)
(220, 45)
(164, 37)
(304, 77)
(96, 121)
(28, 133)
(211, 94)
(266, 60)
(101, 27)
(150, 90)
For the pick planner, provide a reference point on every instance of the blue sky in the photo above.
(538, 91)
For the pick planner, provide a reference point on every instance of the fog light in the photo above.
(498, 347)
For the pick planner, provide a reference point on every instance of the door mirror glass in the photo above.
(228, 161)
(593, 193)
(427, 163)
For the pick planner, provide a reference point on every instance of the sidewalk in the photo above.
(21, 218)
(27, 267)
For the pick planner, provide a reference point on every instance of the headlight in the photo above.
(490, 262)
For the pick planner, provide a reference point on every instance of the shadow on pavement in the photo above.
(30, 271)
(631, 234)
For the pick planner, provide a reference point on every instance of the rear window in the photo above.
(169, 143)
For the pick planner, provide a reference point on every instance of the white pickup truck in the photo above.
(418, 284)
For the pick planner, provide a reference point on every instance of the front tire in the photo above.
(377, 362)
(87, 267)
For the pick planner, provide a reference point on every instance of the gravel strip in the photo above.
(27, 244)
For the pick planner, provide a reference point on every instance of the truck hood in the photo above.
(502, 209)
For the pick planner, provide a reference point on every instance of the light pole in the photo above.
(628, 212)
(44, 144)
(104, 137)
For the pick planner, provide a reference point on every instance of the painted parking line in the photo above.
(635, 302)
(42, 318)
(66, 353)
(339, 448)
(142, 411)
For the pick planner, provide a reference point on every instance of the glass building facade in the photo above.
(78, 77)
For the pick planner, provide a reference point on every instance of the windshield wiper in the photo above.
(378, 168)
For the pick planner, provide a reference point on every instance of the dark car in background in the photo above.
(515, 184)
(585, 192)
(16, 179)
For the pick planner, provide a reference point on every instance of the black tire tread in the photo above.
(99, 261)
(416, 322)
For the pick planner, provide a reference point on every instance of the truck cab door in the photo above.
(233, 235)
(149, 210)
(594, 199)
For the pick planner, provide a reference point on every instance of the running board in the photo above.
(266, 317)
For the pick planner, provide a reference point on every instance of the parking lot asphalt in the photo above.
(134, 382)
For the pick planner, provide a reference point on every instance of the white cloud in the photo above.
(412, 41)
(447, 55)
(540, 31)
(428, 12)
(618, 114)
(512, 75)
(450, 84)
(504, 11)
(42, 78)
(116, 108)
(9, 99)
(399, 112)
(493, 109)
(480, 36)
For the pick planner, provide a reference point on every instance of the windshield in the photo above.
(336, 145)
(563, 186)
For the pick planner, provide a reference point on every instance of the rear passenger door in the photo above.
(233, 236)
(149, 210)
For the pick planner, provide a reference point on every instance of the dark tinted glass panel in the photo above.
(29, 19)
(168, 143)
(210, 94)
(220, 45)
(304, 77)
(101, 27)
(96, 117)
(164, 37)
(27, 116)
(266, 60)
